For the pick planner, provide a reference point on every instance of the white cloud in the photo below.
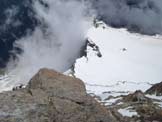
(56, 43)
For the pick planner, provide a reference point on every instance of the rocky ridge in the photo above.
(134, 107)
(52, 97)
(155, 89)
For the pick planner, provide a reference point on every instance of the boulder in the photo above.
(52, 97)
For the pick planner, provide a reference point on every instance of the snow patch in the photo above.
(128, 112)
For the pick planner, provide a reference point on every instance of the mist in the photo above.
(141, 16)
(61, 27)
(55, 43)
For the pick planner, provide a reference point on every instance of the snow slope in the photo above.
(133, 59)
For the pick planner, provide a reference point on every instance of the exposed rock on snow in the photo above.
(155, 89)
(94, 47)
(137, 96)
(137, 107)
(52, 97)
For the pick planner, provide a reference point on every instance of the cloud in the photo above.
(55, 43)
(142, 16)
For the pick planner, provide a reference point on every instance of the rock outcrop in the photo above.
(136, 107)
(155, 89)
(147, 108)
(137, 96)
(52, 97)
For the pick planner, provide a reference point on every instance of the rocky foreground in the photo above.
(136, 107)
(52, 97)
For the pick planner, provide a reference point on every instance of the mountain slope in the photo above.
(129, 57)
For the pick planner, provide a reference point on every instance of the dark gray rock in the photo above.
(155, 89)
(137, 96)
(52, 97)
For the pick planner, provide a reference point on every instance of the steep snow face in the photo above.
(126, 56)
